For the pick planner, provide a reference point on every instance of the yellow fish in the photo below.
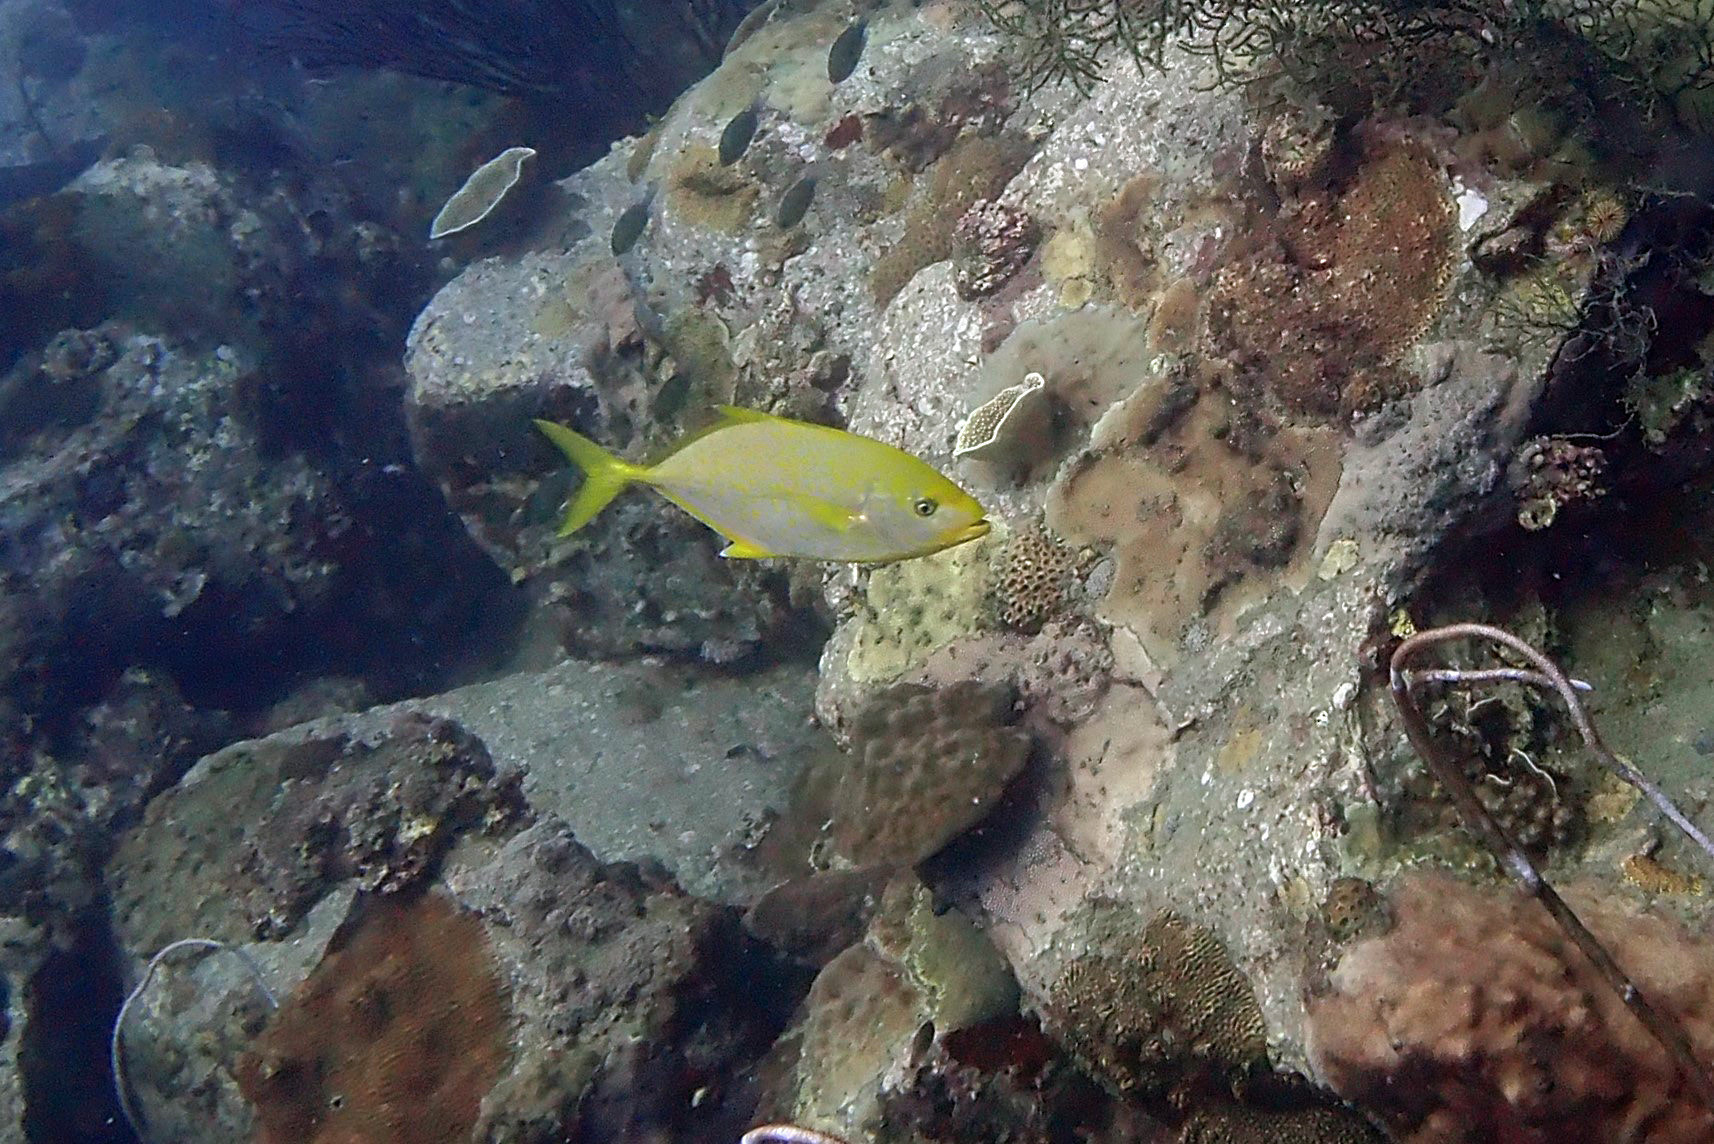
(776, 487)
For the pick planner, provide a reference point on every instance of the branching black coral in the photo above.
(1658, 52)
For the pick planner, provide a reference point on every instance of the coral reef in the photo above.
(1475, 1015)
(1199, 502)
(397, 1035)
(707, 192)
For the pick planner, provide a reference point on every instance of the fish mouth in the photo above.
(973, 531)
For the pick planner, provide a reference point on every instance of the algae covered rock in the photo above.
(389, 848)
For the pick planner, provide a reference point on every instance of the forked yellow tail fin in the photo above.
(604, 475)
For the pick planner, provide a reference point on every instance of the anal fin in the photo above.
(744, 550)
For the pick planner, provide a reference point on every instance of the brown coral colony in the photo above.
(1346, 279)
(394, 1039)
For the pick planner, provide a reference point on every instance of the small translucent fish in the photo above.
(842, 57)
(481, 192)
(794, 204)
(739, 131)
(632, 222)
(776, 487)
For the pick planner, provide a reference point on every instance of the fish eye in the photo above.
(925, 506)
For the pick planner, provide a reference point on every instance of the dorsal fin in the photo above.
(738, 415)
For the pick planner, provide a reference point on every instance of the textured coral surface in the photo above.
(394, 1039)
(1474, 1018)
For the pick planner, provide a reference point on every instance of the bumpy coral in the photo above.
(861, 1007)
(915, 607)
(1353, 908)
(1125, 232)
(1475, 1018)
(927, 765)
(989, 245)
(1147, 1012)
(1036, 578)
(396, 1036)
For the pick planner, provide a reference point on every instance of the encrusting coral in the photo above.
(395, 1037)
(1318, 317)
(1475, 1018)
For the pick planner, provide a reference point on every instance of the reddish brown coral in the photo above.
(844, 133)
(1319, 316)
(394, 1038)
(1474, 1019)
(989, 244)
(975, 168)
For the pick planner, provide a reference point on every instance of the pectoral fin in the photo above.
(833, 517)
(744, 550)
